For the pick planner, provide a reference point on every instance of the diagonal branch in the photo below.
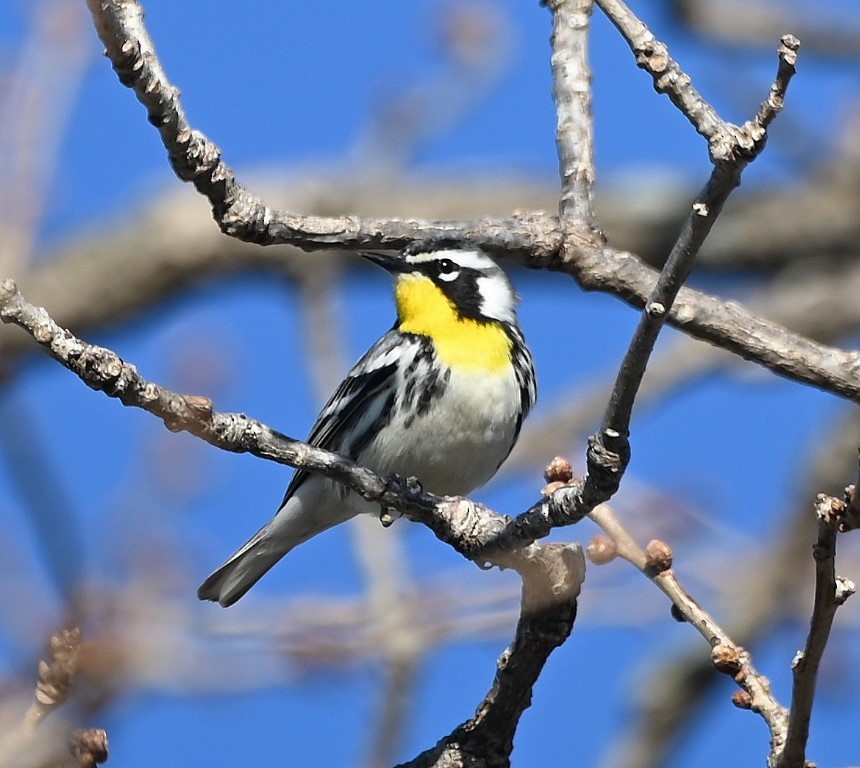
(609, 450)
(534, 238)
(552, 573)
(104, 370)
(681, 685)
(196, 159)
(655, 562)
(731, 149)
(475, 531)
(56, 676)
(725, 177)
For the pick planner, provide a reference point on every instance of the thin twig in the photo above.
(53, 688)
(725, 177)
(609, 449)
(726, 655)
(104, 370)
(680, 685)
(831, 591)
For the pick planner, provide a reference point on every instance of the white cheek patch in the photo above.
(449, 277)
(498, 299)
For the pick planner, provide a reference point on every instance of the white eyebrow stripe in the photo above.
(469, 259)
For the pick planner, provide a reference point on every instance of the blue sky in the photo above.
(294, 85)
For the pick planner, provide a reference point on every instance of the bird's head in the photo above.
(438, 276)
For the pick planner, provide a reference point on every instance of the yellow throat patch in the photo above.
(460, 342)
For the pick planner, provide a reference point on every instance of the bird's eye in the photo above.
(448, 270)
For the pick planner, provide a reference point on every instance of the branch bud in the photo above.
(726, 659)
(658, 557)
(559, 470)
(601, 550)
(89, 746)
(742, 700)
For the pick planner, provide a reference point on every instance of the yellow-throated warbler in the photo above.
(441, 397)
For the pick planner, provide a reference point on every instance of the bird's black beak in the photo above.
(393, 263)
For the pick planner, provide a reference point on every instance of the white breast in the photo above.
(458, 444)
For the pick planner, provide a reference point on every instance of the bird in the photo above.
(440, 397)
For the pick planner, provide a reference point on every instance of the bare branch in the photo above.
(533, 238)
(552, 573)
(725, 140)
(104, 370)
(240, 214)
(772, 105)
(575, 130)
(830, 592)
(55, 676)
(548, 611)
(679, 686)
(609, 450)
(656, 563)
(475, 531)
(725, 324)
(725, 177)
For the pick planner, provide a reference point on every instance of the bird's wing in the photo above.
(363, 400)
(524, 370)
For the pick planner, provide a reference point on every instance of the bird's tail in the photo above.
(244, 569)
(311, 510)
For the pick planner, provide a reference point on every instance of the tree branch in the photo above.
(830, 592)
(552, 573)
(475, 531)
(533, 238)
(571, 90)
(546, 620)
(725, 324)
(53, 688)
(726, 176)
(608, 451)
(655, 562)
(238, 213)
(680, 685)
